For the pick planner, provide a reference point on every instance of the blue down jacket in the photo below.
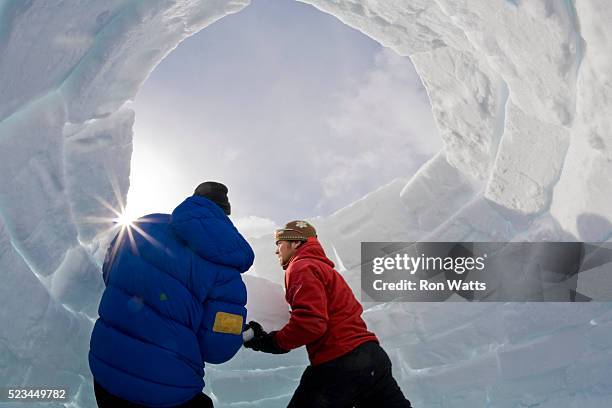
(174, 299)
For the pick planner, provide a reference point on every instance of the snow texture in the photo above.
(521, 93)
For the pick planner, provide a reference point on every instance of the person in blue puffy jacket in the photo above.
(174, 300)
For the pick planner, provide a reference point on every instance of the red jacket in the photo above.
(325, 316)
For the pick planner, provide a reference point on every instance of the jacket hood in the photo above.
(208, 232)
(311, 249)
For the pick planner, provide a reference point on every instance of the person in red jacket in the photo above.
(348, 368)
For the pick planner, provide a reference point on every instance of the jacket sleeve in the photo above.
(223, 318)
(308, 300)
(220, 334)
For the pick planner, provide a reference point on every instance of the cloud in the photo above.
(254, 227)
(383, 128)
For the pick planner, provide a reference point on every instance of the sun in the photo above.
(124, 220)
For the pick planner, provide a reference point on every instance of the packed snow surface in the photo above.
(521, 92)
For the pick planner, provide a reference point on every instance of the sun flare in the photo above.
(124, 220)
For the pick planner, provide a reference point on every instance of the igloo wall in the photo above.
(521, 93)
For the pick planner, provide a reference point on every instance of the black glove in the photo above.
(263, 341)
(258, 331)
(266, 344)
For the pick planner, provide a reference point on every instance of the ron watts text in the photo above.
(425, 285)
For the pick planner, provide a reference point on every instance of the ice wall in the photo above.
(521, 93)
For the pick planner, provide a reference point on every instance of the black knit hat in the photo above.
(215, 192)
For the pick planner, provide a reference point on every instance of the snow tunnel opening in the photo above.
(298, 113)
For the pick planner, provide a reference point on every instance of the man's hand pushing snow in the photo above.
(261, 340)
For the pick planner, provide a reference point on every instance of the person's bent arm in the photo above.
(220, 334)
(308, 300)
(223, 318)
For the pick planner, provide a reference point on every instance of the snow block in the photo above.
(42, 42)
(398, 322)
(597, 34)
(243, 385)
(581, 199)
(97, 157)
(446, 385)
(595, 282)
(249, 360)
(591, 375)
(534, 46)
(544, 354)
(600, 335)
(531, 391)
(33, 201)
(529, 162)
(468, 121)
(478, 220)
(456, 346)
(525, 321)
(266, 302)
(78, 282)
(39, 335)
(434, 194)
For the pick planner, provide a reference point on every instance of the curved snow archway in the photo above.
(520, 101)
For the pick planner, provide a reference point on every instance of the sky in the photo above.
(297, 113)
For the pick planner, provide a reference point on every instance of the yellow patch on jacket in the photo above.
(228, 323)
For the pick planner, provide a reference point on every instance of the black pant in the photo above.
(108, 400)
(361, 379)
